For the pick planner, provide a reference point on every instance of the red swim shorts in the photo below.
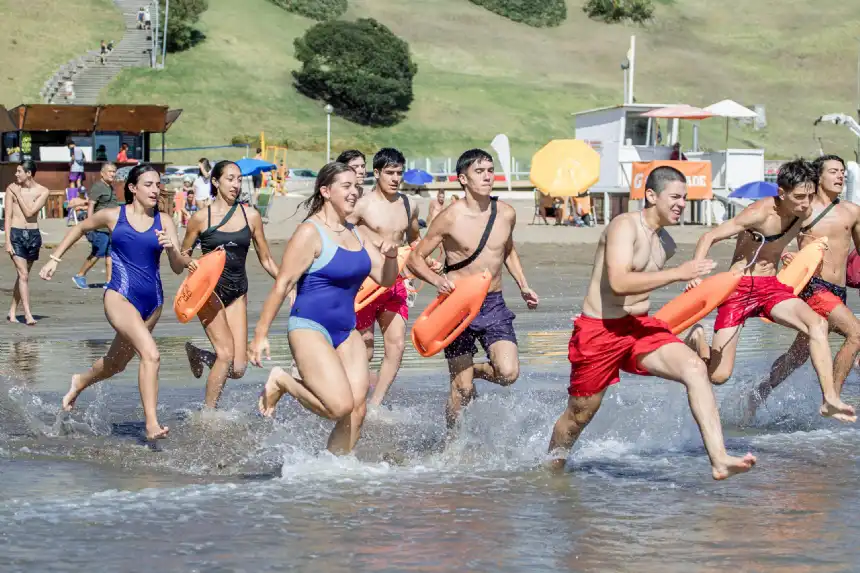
(600, 348)
(823, 296)
(755, 296)
(392, 300)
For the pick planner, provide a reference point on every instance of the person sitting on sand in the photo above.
(326, 260)
(460, 230)
(763, 231)
(24, 199)
(133, 298)
(225, 316)
(614, 331)
(839, 222)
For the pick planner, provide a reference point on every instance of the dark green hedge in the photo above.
(361, 68)
(537, 13)
(321, 10)
(611, 11)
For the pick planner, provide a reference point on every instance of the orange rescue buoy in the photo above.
(449, 315)
(370, 291)
(688, 308)
(799, 271)
(197, 287)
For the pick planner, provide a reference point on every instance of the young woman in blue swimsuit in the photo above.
(133, 297)
(326, 261)
(226, 223)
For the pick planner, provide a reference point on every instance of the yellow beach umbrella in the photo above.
(565, 168)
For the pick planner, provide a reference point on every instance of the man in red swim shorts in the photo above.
(764, 229)
(394, 217)
(826, 293)
(615, 332)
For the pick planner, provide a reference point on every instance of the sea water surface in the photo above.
(231, 491)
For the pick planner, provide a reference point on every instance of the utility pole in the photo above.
(631, 55)
(164, 36)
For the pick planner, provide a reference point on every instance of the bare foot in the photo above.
(30, 321)
(194, 360)
(754, 401)
(71, 395)
(556, 466)
(271, 393)
(157, 432)
(13, 319)
(731, 466)
(838, 410)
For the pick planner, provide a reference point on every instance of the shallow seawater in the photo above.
(232, 492)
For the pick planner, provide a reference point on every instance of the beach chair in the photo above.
(537, 213)
(264, 201)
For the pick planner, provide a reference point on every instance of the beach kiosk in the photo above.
(630, 143)
(40, 132)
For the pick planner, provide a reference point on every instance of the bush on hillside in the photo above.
(361, 68)
(611, 11)
(321, 10)
(183, 15)
(537, 13)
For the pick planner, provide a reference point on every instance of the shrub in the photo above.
(611, 11)
(361, 68)
(537, 13)
(321, 10)
(183, 15)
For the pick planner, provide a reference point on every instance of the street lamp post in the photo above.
(328, 111)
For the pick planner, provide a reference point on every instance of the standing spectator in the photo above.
(69, 91)
(202, 187)
(76, 165)
(110, 46)
(103, 52)
(140, 15)
(257, 177)
(122, 156)
(147, 19)
(102, 196)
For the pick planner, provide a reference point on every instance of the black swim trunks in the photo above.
(26, 243)
(495, 322)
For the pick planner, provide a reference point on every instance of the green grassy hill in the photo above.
(480, 74)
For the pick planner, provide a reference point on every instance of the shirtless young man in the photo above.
(24, 199)
(839, 221)
(390, 214)
(614, 331)
(460, 229)
(436, 206)
(764, 229)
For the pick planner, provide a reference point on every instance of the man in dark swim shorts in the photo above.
(476, 235)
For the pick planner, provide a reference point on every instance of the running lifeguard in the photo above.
(764, 229)
(390, 214)
(839, 222)
(476, 234)
(614, 331)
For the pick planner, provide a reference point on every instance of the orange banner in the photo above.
(698, 174)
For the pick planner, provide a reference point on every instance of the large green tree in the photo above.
(361, 68)
(182, 17)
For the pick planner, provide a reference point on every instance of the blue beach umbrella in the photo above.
(755, 190)
(417, 177)
(254, 166)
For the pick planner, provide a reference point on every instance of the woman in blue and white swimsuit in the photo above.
(326, 260)
(133, 297)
